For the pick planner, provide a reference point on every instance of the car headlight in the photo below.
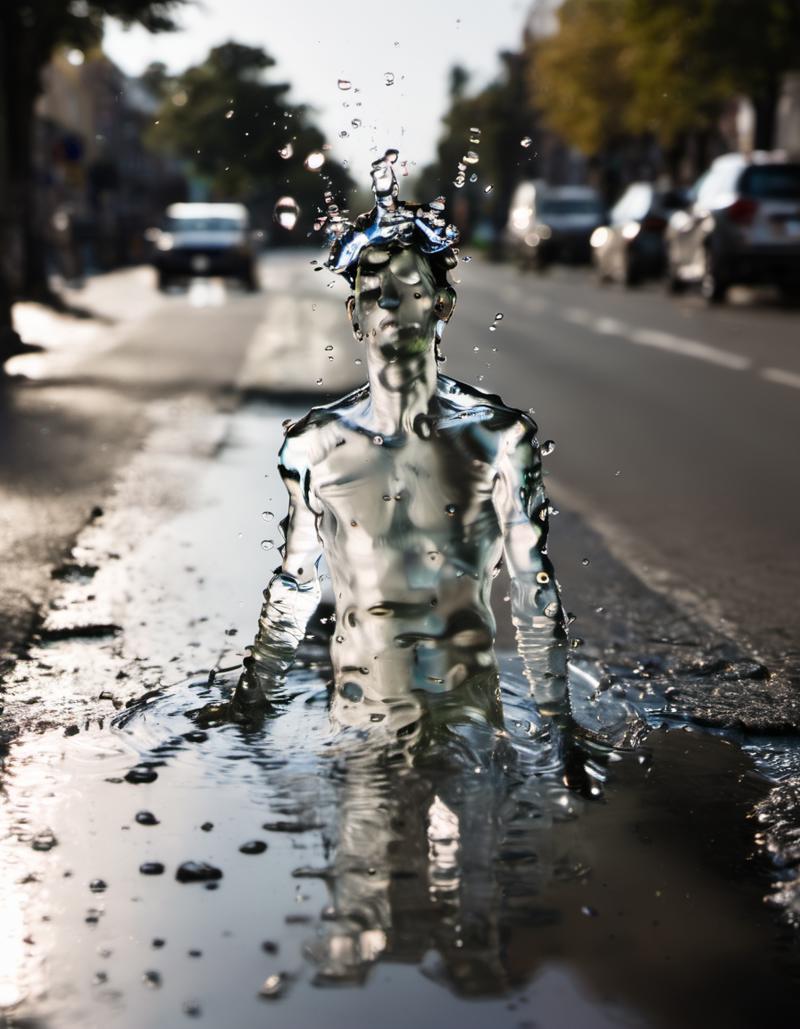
(599, 237)
(631, 230)
(165, 242)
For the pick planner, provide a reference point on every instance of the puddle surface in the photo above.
(469, 885)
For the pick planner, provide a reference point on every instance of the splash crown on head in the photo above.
(391, 221)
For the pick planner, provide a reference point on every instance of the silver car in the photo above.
(552, 223)
(631, 247)
(742, 226)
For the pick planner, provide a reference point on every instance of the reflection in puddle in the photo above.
(471, 875)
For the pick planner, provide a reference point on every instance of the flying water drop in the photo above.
(286, 213)
(315, 160)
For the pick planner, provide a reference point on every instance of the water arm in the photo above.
(293, 592)
(537, 613)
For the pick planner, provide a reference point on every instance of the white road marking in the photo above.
(606, 326)
(780, 376)
(689, 348)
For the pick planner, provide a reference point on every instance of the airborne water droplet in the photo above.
(344, 84)
(488, 189)
(470, 157)
(286, 213)
(377, 440)
(267, 544)
(548, 447)
(286, 151)
(525, 142)
(229, 114)
(585, 561)
(388, 78)
(267, 515)
(315, 160)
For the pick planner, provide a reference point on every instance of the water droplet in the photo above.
(450, 509)
(151, 868)
(329, 347)
(488, 189)
(585, 561)
(318, 382)
(229, 114)
(286, 151)
(470, 157)
(286, 213)
(466, 259)
(253, 847)
(315, 160)
(267, 515)
(344, 84)
(356, 123)
(476, 349)
(499, 316)
(492, 328)
(388, 78)
(267, 544)
(526, 142)
(44, 840)
(357, 361)
(98, 886)
(473, 177)
(551, 610)
(378, 441)
(391, 155)
(548, 447)
(272, 986)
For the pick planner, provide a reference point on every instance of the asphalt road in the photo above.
(675, 424)
(676, 428)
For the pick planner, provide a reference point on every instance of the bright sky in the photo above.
(316, 43)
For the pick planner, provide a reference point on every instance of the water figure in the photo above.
(416, 488)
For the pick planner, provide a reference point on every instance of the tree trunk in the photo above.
(766, 106)
(22, 269)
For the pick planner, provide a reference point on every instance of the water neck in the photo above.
(401, 389)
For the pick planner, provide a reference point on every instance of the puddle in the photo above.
(471, 884)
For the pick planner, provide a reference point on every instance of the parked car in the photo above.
(631, 247)
(742, 227)
(205, 239)
(552, 223)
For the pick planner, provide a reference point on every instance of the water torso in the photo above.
(411, 538)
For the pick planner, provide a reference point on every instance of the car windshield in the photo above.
(203, 225)
(569, 205)
(772, 182)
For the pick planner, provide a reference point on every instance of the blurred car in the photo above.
(552, 223)
(631, 247)
(742, 227)
(205, 239)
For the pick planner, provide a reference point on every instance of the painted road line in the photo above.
(689, 348)
(780, 376)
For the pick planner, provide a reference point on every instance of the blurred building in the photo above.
(97, 186)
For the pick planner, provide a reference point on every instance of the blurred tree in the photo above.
(503, 117)
(241, 134)
(30, 30)
(664, 68)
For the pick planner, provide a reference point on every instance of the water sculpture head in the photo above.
(396, 257)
